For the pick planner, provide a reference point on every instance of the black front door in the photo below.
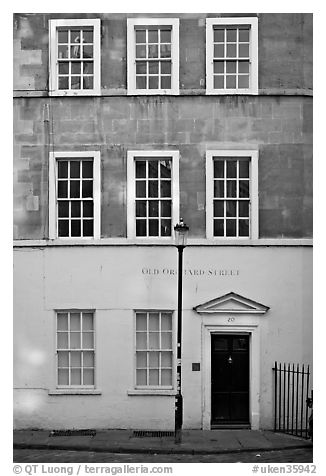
(230, 379)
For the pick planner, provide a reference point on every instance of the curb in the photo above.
(152, 451)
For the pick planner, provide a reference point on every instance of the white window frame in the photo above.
(74, 387)
(53, 159)
(253, 192)
(156, 388)
(253, 54)
(131, 55)
(53, 60)
(131, 190)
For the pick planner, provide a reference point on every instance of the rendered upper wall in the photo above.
(284, 50)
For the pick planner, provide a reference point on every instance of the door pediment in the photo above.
(231, 303)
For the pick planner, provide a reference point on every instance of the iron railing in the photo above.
(291, 399)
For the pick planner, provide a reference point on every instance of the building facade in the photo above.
(123, 124)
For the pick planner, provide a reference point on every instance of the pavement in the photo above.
(193, 442)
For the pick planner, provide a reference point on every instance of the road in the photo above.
(303, 455)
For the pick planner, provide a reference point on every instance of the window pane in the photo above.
(166, 340)
(218, 208)
(62, 189)
(243, 51)
(62, 51)
(166, 321)
(243, 208)
(88, 359)
(243, 81)
(231, 228)
(165, 36)
(153, 67)
(75, 227)
(62, 36)
(141, 377)
(140, 51)
(88, 227)
(153, 168)
(153, 208)
(62, 321)
(153, 321)
(244, 188)
(231, 208)
(165, 82)
(88, 321)
(165, 51)
(153, 377)
(63, 228)
(231, 188)
(74, 321)
(165, 168)
(219, 50)
(88, 82)
(75, 359)
(218, 188)
(218, 168)
(62, 340)
(166, 377)
(88, 36)
(165, 227)
(166, 67)
(231, 50)
(231, 168)
(140, 188)
(75, 209)
(63, 359)
(76, 67)
(88, 340)
(63, 67)
(63, 377)
(231, 82)
(153, 360)
(218, 227)
(166, 359)
(154, 340)
(75, 36)
(153, 188)
(243, 66)
(88, 51)
(140, 169)
(141, 321)
(152, 36)
(166, 208)
(75, 377)
(88, 208)
(62, 169)
(231, 67)
(141, 229)
(243, 227)
(74, 189)
(152, 51)
(153, 227)
(219, 67)
(141, 360)
(141, 67)
(87, 188)
(153, 82)
(140, 36)
(141, 340)
(165, 188)
(75, 340)
(218, 82)
(244, 35)
(87, 166)
(219, 35)
(140, 208)
(243, 169)
(75, 82)
(63, 209)
(231, 35)
(88, 375)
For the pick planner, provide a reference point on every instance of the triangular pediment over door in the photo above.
(231, 303)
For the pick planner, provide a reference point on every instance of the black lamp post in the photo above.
(181, 234)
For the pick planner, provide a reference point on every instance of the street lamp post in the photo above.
(181, 234)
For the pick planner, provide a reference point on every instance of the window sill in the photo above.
(153, 392)
(68, 391)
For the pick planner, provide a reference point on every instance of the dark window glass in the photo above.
(165, 188)
(153, 227)
(88, 209)
(218, 227)
(74, 169)
(140, 227)
(140, 208)
(153, 188)
(165, 227)
(165, 168)
(243, 227)
(231, 187)
(243, 169)
(140, 169)
(218, 168)
(75, 209)
(153, 208)
(231, 208)
(165, 82)
(218, 188)
(74, 189)
(87, 168)
(244, 188)
(218, 208)
(87, 188)
(166, 208)
(75, 227)
(63, 228)
(231, 168)
(243, 208)
(140, 188)
(153, 168)
(62, 189)
(63, 209)
(88, 228)
(230, 227)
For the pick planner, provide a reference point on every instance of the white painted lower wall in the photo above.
(115, 281)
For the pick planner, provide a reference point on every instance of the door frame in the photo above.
(251, 329)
